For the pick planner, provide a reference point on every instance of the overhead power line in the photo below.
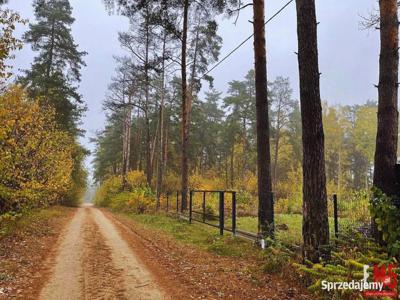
(246, 40)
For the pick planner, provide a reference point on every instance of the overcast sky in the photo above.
(348, 55)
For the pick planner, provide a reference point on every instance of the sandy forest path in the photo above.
(93, 261)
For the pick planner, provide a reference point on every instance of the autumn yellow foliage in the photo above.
(137, 197)
(136, 179)
(36, 159)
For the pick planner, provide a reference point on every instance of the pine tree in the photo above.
(196, 33)
(55, 72)
(282, 104)
(387, 135)
(315, 206)
(265, 202)
(108, 154)
(388, 115)
(241, 104)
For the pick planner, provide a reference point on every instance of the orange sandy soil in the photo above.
(24, 251)
(28, 256)
(190, 273)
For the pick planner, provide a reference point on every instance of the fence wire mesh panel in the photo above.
(352, 213)
(231, 211)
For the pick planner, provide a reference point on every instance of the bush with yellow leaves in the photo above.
(36, 159)
(139, 201)
(136, 179)
(136, 198)
(108, 188)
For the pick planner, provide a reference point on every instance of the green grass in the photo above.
(293, 235)
(290, 236)
(198, 235)
(208, 238)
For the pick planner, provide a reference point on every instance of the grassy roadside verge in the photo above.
(273, 260)
(198, 235)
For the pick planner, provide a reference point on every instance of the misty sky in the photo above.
(348, 55)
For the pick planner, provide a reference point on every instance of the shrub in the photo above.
(288, 194)
(356, 206)
(207, 182)
(136, 179)
(79, 174)
(248, 183)
(276, 258)
(36, 158)
(387, 217)
(288, 206)
(171, 183)
(109, 188)
(349, 255)
(210, 212)
(246, 204)
(138, 201)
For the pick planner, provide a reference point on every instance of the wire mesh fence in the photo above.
(229, 211)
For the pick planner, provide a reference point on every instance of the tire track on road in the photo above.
(93, 261)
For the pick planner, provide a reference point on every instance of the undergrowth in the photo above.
(28, 221)
(350, 252)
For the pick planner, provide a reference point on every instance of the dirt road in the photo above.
(93, 261)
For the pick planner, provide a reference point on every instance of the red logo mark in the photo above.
(386, 276)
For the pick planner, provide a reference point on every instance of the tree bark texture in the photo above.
(315, 211)
(387, 134)
(185, 106)
(265, 204)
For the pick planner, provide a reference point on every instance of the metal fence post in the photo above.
(204, 206)
(190, 205)
(335, 215)
(234, 213)
(221, 213)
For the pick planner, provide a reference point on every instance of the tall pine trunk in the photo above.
(232, 167)
(244, 148)
(185, 107)
(315, 211)
(265, 205)
(127, 123)
(160, 165)
(276, 154)
(165, 142)
(149, 166)
(137, 144)
(386, 138)
(277, 139)
(50, 59)
(387, 133)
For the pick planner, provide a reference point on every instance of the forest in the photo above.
(316, 185)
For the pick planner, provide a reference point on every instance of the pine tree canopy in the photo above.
(55, 72)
